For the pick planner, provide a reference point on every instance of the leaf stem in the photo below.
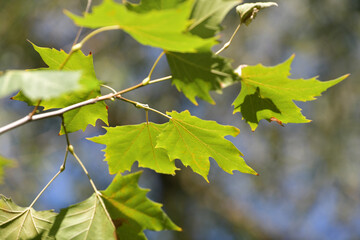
(97, 192)
(79, 45)
(81, 28)
(35, 109)
(144, 106)
(61, 111)
(42, 191)
(110, 88)
(62, 167)
(61, 67)
(147, 79)
(160, 79)
(227, 44)
(92, 34)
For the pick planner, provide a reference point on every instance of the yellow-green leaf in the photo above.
(193, 141)
(268, 93)
(131, 211)
(127, 144)
(78, 118)
(164, 28)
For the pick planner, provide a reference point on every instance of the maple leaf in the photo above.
(193, 141)
(84, 220)
(78, 118)
(131, 211)
(149, 5)
(268, 93)
(195, 74)
(23, 223)
(165, 28)
(127, 144)
(207, 16)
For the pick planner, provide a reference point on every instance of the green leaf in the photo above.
(127, 144)
(268, 93)
(148, 5)
(85, 220)
(23, 223)
(248, 11)
(78, 118)
(158, 28)
(4, 162)
(207, 16)
(193, 141)
(131, 211)
(195, 74)
(38, 85)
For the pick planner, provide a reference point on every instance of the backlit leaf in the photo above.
(23, 223)
(38, 85)
(193, 141)
(196, 74)
(207, 16)
(127, 144)
(268, 93)
(158, 28)
(131, 211)
(78, 118)
(85, 220)
(148, 5)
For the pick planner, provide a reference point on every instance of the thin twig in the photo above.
(95, 32)
(160, 79)
(97, 192)
(42, 191)
(108, 87)
(59, 112)
(144, 106)
(227, 44)
(81, 28)
(35, 109)
(148, 78)
(62, 65)
(62, 168)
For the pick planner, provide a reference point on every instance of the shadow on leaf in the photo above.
(254, 103)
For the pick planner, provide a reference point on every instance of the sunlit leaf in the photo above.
(268, 93)
(164, 28)
(85, 220)
(38, 85)
(196, 74)
(131, 211)
(23, 223)
(149, 5)
(207, 16)
(78, 118)
(193, 141)
(127, 144)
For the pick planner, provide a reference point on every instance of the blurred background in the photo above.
(309, 183)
